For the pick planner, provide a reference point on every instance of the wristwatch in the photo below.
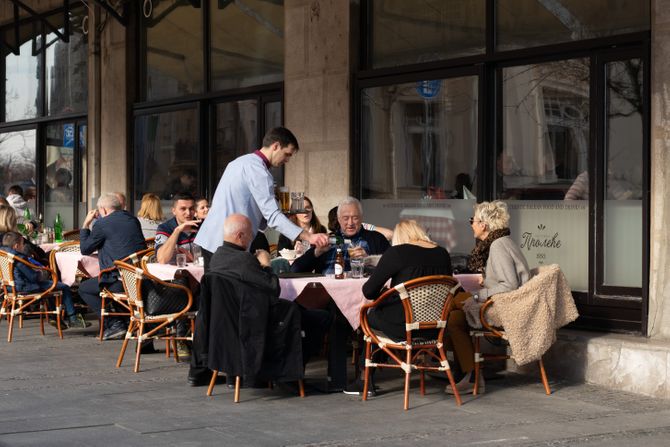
(475, 296)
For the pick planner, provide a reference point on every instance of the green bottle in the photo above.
(26, 220)
(58, 229)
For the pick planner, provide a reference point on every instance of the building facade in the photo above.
(419, 109)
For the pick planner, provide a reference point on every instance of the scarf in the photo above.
(480, 254)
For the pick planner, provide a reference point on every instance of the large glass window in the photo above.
(60, 168)
(404, 32)
(166, 153)
(22, 76)
(247, 43)
(17, 163)
(174, 50)
(67, 68)
(546, 132)
(236, 131)
(529, 23)
(623, 178)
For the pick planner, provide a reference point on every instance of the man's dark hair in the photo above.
(15, 189)
(181, 196)
(11, 238)
(281, 135)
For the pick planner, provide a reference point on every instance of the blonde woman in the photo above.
(9, 222)
(411, 255)
(150, 214)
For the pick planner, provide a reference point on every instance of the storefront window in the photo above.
(60, 150)
(236, 132)
(623, 179)
(22, 76)
(67, 69)
(403, 32)
(166, 153)
(247, 43)
(530, 23)
(17, 164)
(419, 147)
(174, 50)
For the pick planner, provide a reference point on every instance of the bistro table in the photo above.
(68, 262)
(47, 247)
(166, 272)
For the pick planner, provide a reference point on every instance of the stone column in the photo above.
(659, 280)
(317, 95)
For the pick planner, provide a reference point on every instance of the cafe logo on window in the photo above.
(540, 240)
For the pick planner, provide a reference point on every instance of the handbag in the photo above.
(160, 299)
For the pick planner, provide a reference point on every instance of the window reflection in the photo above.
(17, 164)
(236, 131)
(166, 153)
(419, 139)
(247, 43)
(60, 148)
(405, 32)
(174, 50)
(546, 132)
(67, 68)
(22, 84)
(529, 23)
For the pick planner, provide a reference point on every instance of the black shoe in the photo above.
(355, 388)
(114, 333)
(148, 347)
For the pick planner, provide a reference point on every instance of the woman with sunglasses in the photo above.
(503, 268)
(308, 221)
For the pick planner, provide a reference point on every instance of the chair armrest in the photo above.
(482, 318)
(52, 273)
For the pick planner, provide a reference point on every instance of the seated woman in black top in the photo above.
(412, 255)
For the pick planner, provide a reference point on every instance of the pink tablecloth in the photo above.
(50, 246)
(348, 293)
(69, 261)
(166, 271)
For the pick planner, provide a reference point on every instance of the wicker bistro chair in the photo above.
(70, 246)
(72, 235)
(133, 279)
(105, 295)
(22, 303)
(490, 331)
(427, 302)
(148, 258)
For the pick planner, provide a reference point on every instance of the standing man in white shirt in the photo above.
(247, 187)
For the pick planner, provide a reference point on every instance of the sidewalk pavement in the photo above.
(68, 392)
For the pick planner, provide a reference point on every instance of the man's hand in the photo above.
(90, 216)
(318, 251)
(357, 253)
(316, 239)
(188, 226)
(263, 258)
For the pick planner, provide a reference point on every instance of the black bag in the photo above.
(159, 299)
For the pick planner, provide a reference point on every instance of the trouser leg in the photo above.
(459, 335)
(68, 300)
(89, 291)
(315, 324)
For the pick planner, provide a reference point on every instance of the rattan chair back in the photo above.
(148, 258)
(7, 273)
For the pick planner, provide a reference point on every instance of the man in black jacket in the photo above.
(116, 235)
(249, 277)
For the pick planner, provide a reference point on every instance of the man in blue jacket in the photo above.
(116, 235)
(27, 280)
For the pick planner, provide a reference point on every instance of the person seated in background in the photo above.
(412, 255)
(62, 192)
(150, 214)
(462, 181)
(253, 273)
(503, 267)
(27, 280)
(201, 208)
(334, 226)
(122, 199)
(9, 222)
(308, 221)
(185, 184)
(350, 221)
(176, 235)
(16, 200)
(116, 235)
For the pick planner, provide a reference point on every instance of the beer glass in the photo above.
(297, 201)
(284, 199)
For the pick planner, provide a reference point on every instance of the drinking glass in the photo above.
(357, 266)
(297, 201)
(284, 199)
(197, 253)
(181, 260)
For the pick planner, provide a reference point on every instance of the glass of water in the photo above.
(357, 266)
(181, 260)
(196, 251)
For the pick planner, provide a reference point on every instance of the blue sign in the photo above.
(428, 89)
(68, 135)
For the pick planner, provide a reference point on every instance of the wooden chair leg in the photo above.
(59, 314)
(366, 383)
(236, 397)
(125, 344)
(10, 331)
(138, 354)
(42, 308)
(545, 381)
(212, 382)
(478, 359)
(422, 382)
(102, 318)
(301, 388)
(407, 378)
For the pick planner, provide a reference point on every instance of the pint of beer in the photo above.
(284, 199)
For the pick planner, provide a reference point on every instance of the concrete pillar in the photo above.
(317, 67)
(94, 107)
(659, 281)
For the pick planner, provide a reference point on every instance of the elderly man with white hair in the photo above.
(116, 235)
